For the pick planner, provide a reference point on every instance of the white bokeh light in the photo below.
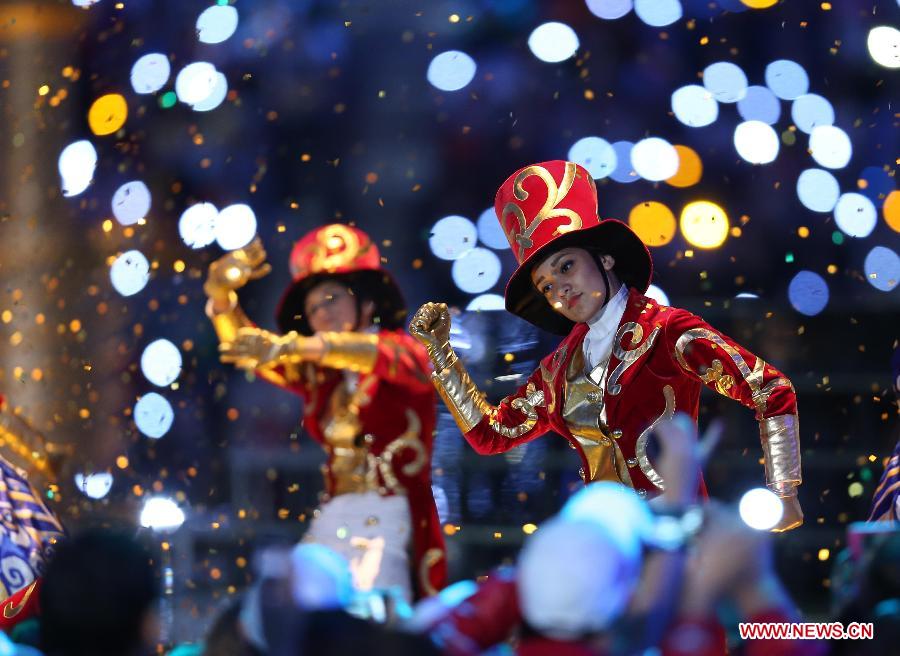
(725, 81)
(489, 231)
(882, 267)
(153, 415)
(884, 46)
(787, 79)
(811, 110)
(195, 82)
(657, 294)
(476, 271)
(235, 226)
(654, 159)
(830, 147)
(150, 73)
(756, 142)
(77, 163)
(131, 202)
(609, 9)
(553, 42)
(197, 225)
(759, 104)
(855, 215)
(818, 190)
(451, 70)
(216, 97)
(658, 13)
(161, 362)
(94, 486)
(486, 303)
(624, 171)
(761, 509)
(129, 273)
(452, 237)
(217, 23)
(84, 3)
(694, 106)
(594, 154)
(161, 514)
(808, 293)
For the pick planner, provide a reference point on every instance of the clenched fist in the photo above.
(430, 325)
(235, 269)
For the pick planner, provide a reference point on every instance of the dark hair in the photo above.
(95, 595)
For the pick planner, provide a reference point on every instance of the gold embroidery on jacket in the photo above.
(429, 559)
(640, 446)
(628, 357)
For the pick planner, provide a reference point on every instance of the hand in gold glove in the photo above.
(255, 348)
(430, 325)
(793, 514)
(235, 269)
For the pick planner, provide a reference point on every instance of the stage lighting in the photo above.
(891, 210)
(690, 167)
(476, 271)
(658, 13)
(235, 227)
(197, 225)
(808, 293)
(725, 81)
(76, 164)
(161, 362)
(694, 106)
(195, 82)
(217, 23)
(129, 273)
(653, 222)
(787, 79)
(161, 514)
(553, 42)
(884, 46)
(451, 70)
(131, 202)
(150, 73)
(596, 155)
(704, 224)
(623, 172)
(855, 215)
(609, 9)
(654, 159)
(830, 146)
(489, 231)
(882, 267)
(486, 303)
(657, 294)
(153, 415)
(452, 237)
(811, 110)
(216, 97)
(759, 104)
(756, 142)
(818, 190)
(94, 486)
(761, 509)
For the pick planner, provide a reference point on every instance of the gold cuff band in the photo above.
(780, 437)
(348, 350)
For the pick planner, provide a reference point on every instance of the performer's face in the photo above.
(330, 306)
(571, 282)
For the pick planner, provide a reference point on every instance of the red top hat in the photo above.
(545, 207)
(346, 254)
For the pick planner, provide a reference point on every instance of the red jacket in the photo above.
(394, 406)
(661, 357)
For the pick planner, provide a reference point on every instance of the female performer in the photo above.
(626, 361)
(367, 398)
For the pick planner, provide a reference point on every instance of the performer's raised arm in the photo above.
(518, 418)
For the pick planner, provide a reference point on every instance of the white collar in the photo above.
(606, 320)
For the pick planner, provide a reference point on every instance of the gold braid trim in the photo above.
(780, 437)
(349, 350)
(429, 559)
(23, 443)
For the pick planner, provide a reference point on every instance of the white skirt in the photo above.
(373, 533)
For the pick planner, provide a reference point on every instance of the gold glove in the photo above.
(235, 269)
(792, 516)
(431, 327)
(255, 348)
